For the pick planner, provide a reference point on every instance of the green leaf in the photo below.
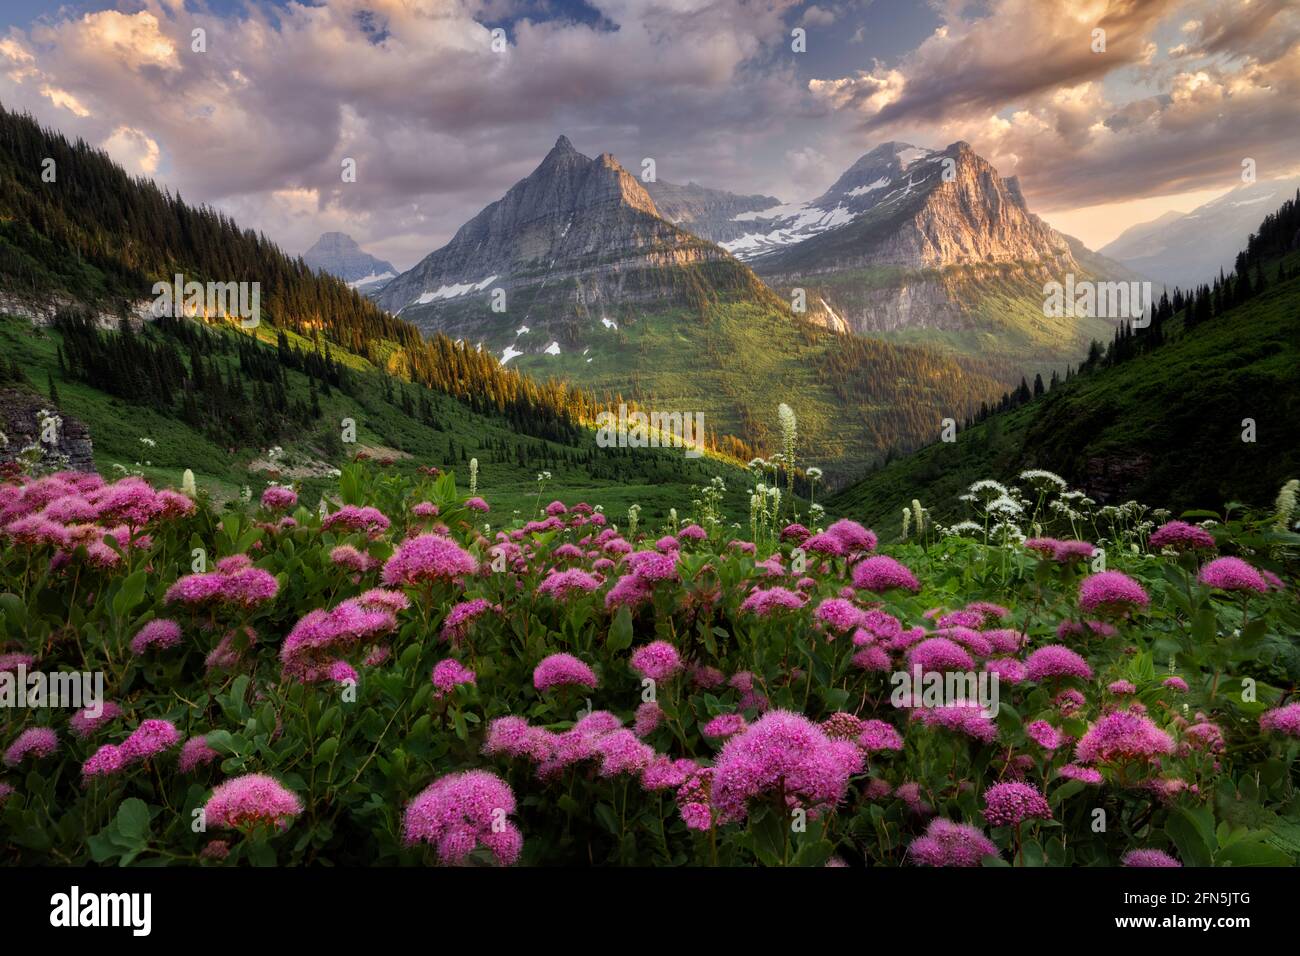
(1252, 853)
(129, 594)
(620, 630)
(15, 613)
(325, 752)
(1192, 835)
(133, 820)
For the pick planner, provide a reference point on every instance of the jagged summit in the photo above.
(576, 236)
(338, 254)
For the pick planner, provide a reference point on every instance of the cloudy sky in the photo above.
(443, 104)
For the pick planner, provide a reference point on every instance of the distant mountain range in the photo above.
(917, 245)
(1187, 249)
(337, 254)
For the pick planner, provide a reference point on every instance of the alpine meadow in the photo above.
(520, 434)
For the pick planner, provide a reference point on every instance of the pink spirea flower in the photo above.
(988, 611)
(852, 536)
(427, 558)
(1232, 574)
(882, 573)
(105, 761)
(658, 660)
(1176, 684)
(9, 663)
(1148, 858)
(1282, 720)
(514, 737)
(158, 634)
(724, 726)
(130, 501)
(1111, 591)
(279, 498)
(628, 591)
(838, 614)
(940, 654)
(341, 672)
(1008, 670)
(795, 532)
(319, 636)
(782, 752)
(457, 622)
(1056, 661)
(1121, 687)
(968, 719)
(195, 753)
(461, 812)
(253, 800)
(1062, 552)
(561, 585)
(827, 545)
(83, 723)
(664, 773)
(149, 739)
(561, 670)
(765, 602)
(1123, 736)
(449, 673)
(355, 518)
(379, 599)
(1068, 701)
(1181, 536)
(872, 658)
(477, 504)
(877, 735)
(621, 751)
(37, 742)
(347, 556)
(249, 587)
(692, 532)
(950, 844)
(1089, 775)
(653, 565)
(649, 716)
(1044, 734)
(1006, 804)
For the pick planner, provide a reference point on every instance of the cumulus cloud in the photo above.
(1082, 127)
(438, 121)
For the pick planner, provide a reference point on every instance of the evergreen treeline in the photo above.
(104, 237)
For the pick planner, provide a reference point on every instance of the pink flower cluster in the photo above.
(782, 754)
(252, 801)
(234, 584)
(462, 811)
(151, 738)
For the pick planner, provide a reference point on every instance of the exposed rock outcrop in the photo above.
(20, 423)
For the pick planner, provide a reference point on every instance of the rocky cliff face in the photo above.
(926, 244)
(575, 239)
(904, 206)
(338, 254)
(709, 213)
(20, 424)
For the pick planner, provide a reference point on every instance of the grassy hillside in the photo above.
(509, 461)
(735, 360)
(1164, 427)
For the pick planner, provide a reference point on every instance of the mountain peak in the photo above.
(563, 145)
(338, 254)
